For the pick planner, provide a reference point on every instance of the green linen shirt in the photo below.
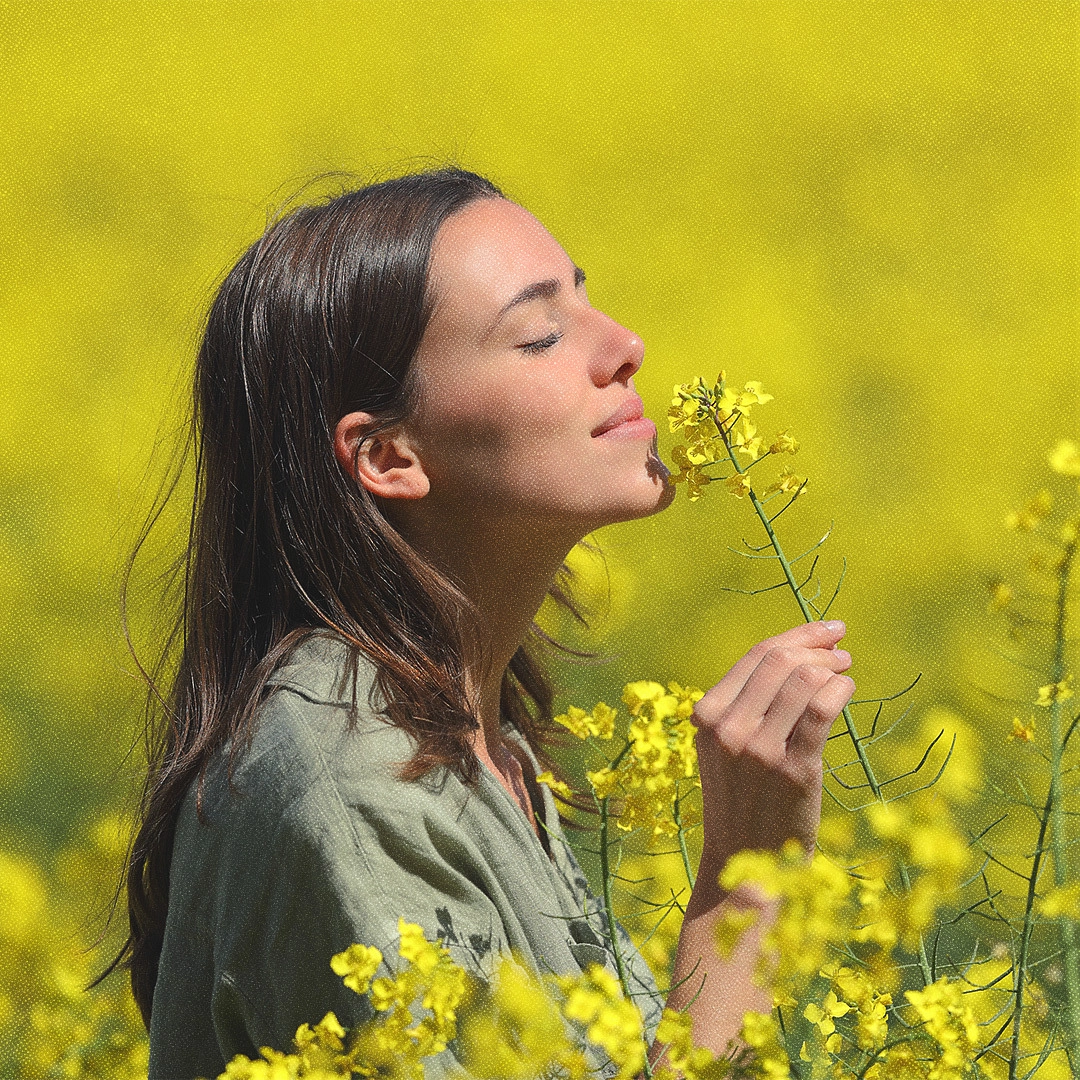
(323, 847)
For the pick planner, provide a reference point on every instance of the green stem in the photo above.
(677, 815)
(849, 721)
(1025, 938)
(1058, 840)
(609, 910)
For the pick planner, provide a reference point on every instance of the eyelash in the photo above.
(544, 343)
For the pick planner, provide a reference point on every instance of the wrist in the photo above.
(709, 897)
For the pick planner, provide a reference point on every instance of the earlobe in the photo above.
(385, 464)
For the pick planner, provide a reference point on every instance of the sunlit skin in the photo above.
(502, 469)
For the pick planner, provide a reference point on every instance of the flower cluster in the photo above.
(715, 424)
(594, 1000)
(392, 1044)
(922, 836)
(600, 723)
(659, 752)
(53, 1027)
(514, 1030)
(949, 1020)
(814, 913)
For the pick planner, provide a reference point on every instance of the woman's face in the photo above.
(527, 410)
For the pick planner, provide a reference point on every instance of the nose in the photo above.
(618, 354)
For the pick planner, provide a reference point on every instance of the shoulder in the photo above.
(320, 745)
(322, 708)
(315, 814)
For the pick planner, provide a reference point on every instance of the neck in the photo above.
(505, 571)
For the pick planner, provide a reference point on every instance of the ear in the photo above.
(386, 464)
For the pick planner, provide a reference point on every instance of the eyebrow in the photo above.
(538, 290)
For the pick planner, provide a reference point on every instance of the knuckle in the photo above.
(782, 655)
(813, 674)
(821, 711)
(706, 713)
(727, 739)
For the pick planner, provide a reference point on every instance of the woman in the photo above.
(407, 413)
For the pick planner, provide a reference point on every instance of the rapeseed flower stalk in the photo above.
(917, 844)
(1039, 616)
(649, 780)
(709, 419)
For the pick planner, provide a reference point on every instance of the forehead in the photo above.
(485, 253)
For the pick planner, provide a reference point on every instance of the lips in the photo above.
(634, 409)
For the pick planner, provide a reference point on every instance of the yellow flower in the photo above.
(872, 1026)
(784, 443)
(951, 1023)
(414, 947)
(357, 964)
(694, 403)
(747, 441)
(604, 782)
(689, 460)
(556, 786)
(600, 722)
(738, 485)
(752, 395)
(320, 1046)
(1065, 458)
(785, 482)
(682, 413)
(595, 999)
(760, 1032)
(636, 694)
(823, 1015)
(515, 1032)
(1025, 732)
(1053, 692)
(276, 1066)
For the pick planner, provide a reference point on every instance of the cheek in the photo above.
(490, 426)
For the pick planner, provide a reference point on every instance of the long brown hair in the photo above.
(320, 317)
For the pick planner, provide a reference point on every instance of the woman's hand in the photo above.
(761, 733)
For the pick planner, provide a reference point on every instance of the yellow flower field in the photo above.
(863, 217)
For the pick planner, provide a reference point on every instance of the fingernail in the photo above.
(835, 625)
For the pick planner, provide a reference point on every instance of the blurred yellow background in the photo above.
(871, 207)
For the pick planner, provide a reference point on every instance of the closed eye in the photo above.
(539, 346)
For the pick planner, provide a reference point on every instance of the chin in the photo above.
(656, 493)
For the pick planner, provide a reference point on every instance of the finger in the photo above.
(808, 736)
(753, 701)
(813, 635)
(791, 700)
